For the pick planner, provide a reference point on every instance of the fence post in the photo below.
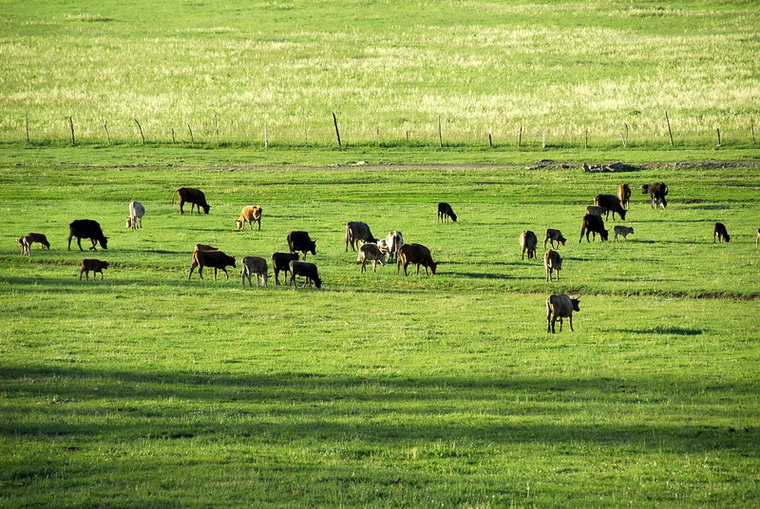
(71, 127)
(752, 129)
(266, 134)
(718, 131)
(105, 128)
(490, 140)
(585, 141)
(192, 138)
(440, 133)
(670, 132)
(139, 127)
(543, 140)
(519, 138)
(337, 132)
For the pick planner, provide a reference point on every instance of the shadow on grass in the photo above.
(317, 408)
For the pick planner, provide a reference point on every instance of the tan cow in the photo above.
(250, 214)
(624, 195)
(370, 252)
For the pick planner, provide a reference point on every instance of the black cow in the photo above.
(610, 203)
(194, 197)
(300, 241)
(87, 229)
(593, 224)
(356, 231)
(720, 233)
(657, 193)
(445, 212)
(281, 262)
(307, 270)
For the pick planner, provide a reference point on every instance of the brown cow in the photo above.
(559, 307)
(416, 254)
(657, 193)
(213, 259)
(370, 252)
(552, 263)
(250, 214)
(90, 264)
(528, 242)
(40, 239)
(194, 197)
(624, 195)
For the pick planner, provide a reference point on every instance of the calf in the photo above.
(593, 224)
(213, 259)
(553, 236)
(595, 211)
(281, 262)
(624, 195)
(445, 212)
(254, 265)
(559, 307)
(93, 265)
(356, 231)
(87, 229)
(26, 245)
(394, 241)
(720, 232)
(552, 263)
(370, 252)
(194, 197)
(528, 242)
(624, 231)
(250, 214)
(657, 193)
(300, 241)
(38, 238)
(416, 254)
(610, 203)
(136, 212)
(205, 247)
(307, 270)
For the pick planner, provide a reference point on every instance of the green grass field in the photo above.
(148, 389)
(388, 69)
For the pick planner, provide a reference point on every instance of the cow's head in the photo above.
(239, 224)
(206, 208)
(433, 266)
(622, 213)
(313, 247)
(317, 282)
(645, 189)
(604, 234)
(576, 304)
(104, 242)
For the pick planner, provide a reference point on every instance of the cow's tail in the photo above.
(173, 195)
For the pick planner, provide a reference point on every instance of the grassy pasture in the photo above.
(147, 389)
(559, 67)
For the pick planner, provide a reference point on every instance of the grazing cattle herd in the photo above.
(370, 249)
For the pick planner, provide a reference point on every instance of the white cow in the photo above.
(394, 240)
(136, 212)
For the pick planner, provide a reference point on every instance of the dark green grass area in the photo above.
(148, 389)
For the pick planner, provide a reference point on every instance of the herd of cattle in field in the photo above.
(359, 237)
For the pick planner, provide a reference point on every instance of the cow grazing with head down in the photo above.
(214, 259)
(554, 236)
(194, 197)
(254, 265)
(445, 212)
(610, 203)
(559, 307)
(357, 232)
(552, 263)
(300, 241)
(281, 263)
(306, 270)
(720, 233)
(39, 238)
(94, 266)
(250, 214)
(136, 212)
(370, 252)
(593, 224)
(528, 242)
(87, 229)
(623, 231)
(624, 195)
(657, 193)
(418, 255)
